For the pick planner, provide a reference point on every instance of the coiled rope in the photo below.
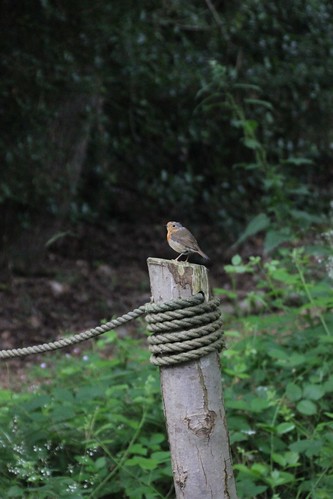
(181, 330)
(185, 334)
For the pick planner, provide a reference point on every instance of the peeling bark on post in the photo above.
(193, 399)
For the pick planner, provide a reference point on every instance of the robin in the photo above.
(181, 240)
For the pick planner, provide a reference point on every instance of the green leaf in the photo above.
(308, 446)
(138, 449)
(156, 438)
(236, 269)
(56, 237)
(279, 459)
(249, 86)
(226, 293)
(278, 478)
(250, 126)
(307, 407)
(292, 458)
(313, 392)
(297, 359)
(293, 392)
(247, 166)
(236, 260)
(284, 276)
(257, 224)
(238, 436)
(36, 402)
(258, 404)
(277, 353)
(143, 462)
(237, 404)
(258, 470)
(100, 463)
(62, 413)
(251, 143)
(15, 491)
(285, 427)
(304, 216)
(248, 488)
(299, 161)
(161, 456)
(274, 238)
(287, 459)
(260, 102)
(63, 394)
(328, 385)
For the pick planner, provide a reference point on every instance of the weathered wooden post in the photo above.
(193, 398)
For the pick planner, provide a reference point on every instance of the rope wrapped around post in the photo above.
(182, 330)
(186, 333)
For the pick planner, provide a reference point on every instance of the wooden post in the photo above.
(193, 399)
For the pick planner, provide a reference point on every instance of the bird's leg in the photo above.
(187, 257)
(181, 254)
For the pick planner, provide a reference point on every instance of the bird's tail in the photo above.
(201, 253)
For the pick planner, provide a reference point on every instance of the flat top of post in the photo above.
(170, 279)
(162, 261)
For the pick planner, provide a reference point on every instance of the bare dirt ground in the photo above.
(89, 276)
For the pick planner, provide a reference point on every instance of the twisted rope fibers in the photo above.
(183, 329)
(174, 340)
(76, 338)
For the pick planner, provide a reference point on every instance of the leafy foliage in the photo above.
(97, 430)
(95, 425)
(282, 198)
(125, 83)
(278, 374)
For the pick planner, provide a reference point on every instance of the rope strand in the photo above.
(181, 330)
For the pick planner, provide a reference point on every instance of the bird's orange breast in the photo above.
(171, 232)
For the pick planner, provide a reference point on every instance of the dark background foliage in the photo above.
(105, 113)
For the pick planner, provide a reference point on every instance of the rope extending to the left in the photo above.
(182, 330)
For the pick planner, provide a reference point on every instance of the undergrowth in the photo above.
(278, 379)
(93, 425)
